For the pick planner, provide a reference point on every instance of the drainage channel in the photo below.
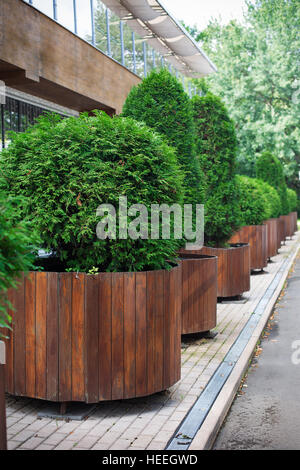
(187, 430)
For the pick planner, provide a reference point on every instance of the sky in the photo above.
(200, 11)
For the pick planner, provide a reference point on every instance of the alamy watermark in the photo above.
(160, 222)
(296, 354)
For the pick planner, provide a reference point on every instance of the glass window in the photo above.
(128, 54)
(139, 56)
(115, 41)
(84, 20)
(46, 6)
(100, 26)
(65, 13)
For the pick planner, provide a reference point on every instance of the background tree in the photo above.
(258, 79)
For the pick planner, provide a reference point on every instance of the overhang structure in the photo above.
(151, 21)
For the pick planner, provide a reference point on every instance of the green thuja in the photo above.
(161, 102)
(64, 169)
(216, 147)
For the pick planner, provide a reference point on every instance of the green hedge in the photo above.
(273, 199)
(217, 147)
(161, 102)
(292, 200)
(254, 201)
(17, 250)
(65, 169)
(269, 169)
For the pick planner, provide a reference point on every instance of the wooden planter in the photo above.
(86, 338)
(199, 291)
(272, 245)
(3, 440)
(257, 237)
(233, 268)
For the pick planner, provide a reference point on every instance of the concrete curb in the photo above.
(207, 434)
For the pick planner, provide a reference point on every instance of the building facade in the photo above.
(70, 56)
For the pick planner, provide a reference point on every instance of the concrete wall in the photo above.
(40, 57)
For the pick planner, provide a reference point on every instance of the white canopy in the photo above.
(150, 20)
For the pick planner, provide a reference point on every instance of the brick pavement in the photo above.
(143, 423)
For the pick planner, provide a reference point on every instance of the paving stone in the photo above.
(54, 439)
(32, 443)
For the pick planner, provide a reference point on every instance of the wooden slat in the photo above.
(150, 330)
(129, 335)
(65, 337)
(9, 376)
(105, 335)
(3, 439)
(41, 335)
(91, 335)
(178, 311)
(185, 295)
(168, 306)
(30, 334)
(141, 335)
(159, 328)
(117, 337)
(52, 337)
(172, 326)
(19, 346)
(78, 330)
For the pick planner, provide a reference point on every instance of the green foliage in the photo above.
(258, 79)
(292, 200)
(161, 102)
(65, 169)
(273, 199)
(16, 251)
(216, 147)
(269, 169)
(255, 205)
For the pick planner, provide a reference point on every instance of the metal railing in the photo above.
(92, 21)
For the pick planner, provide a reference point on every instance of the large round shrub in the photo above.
(217, 147)
(269, 169)
(161, 102)
(65, 169)
(16, 251)
(254, 204)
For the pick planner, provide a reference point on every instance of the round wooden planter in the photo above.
(272, 244)
(233, 268)
(199, 291)
(257, 237)
(79, 337)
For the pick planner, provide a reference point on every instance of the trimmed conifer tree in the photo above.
(254, 200)
(216, 147)
(269, 169)
(161, 102)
